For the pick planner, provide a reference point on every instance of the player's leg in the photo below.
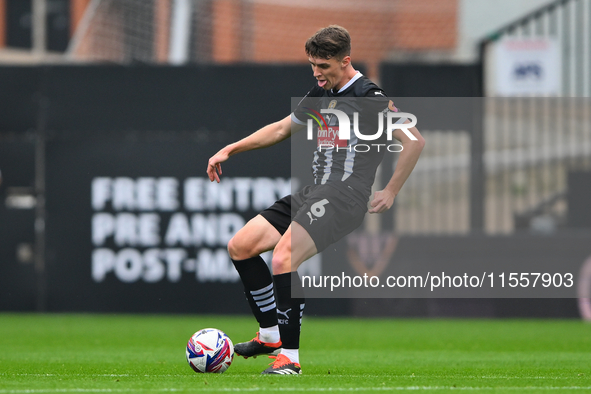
(295, 247)
(256, 237)
(326, 216)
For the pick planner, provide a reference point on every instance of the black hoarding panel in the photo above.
(17, 275)
(17, 163)
(148, 130)
(237, 99)
(17, 216)
(19, 87)
(139, 227)
(579, 190)
(467, 307)
(410, 84)
(431, 80)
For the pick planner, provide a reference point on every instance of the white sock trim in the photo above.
(292, 354)
(269, 334)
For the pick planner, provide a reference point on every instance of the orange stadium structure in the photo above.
(267, 31)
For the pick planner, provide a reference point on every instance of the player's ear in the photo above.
(346, 61)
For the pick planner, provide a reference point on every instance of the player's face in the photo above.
(330, 73)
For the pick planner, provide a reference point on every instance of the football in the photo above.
(210, 350)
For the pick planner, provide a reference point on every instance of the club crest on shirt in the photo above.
(331, 105)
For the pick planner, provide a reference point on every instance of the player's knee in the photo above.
(242, 248)
(236, 249)
(281, 262)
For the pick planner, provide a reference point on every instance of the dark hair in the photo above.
(332, 41)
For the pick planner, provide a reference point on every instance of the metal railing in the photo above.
(523, 152)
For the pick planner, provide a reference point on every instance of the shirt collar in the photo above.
(351, 82)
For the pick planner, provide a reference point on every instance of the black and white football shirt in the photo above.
(348, 165)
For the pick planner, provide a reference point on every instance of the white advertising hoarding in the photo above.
(528, 67)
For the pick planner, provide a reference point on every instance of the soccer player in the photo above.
(323, 213)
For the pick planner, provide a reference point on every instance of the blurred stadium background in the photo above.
(110, 106)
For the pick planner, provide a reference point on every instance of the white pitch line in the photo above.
(302, 389)
(333, 375)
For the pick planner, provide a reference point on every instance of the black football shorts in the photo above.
(326, 213)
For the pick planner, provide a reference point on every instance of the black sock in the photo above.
(289, 309)
(258, 289)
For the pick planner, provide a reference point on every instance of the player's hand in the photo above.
(214, 167)
(382, 201)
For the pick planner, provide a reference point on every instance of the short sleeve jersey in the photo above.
(345, 164)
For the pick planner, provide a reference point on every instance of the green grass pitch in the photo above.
(66, 353)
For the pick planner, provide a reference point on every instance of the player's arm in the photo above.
(262, 138)
(411, 150)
